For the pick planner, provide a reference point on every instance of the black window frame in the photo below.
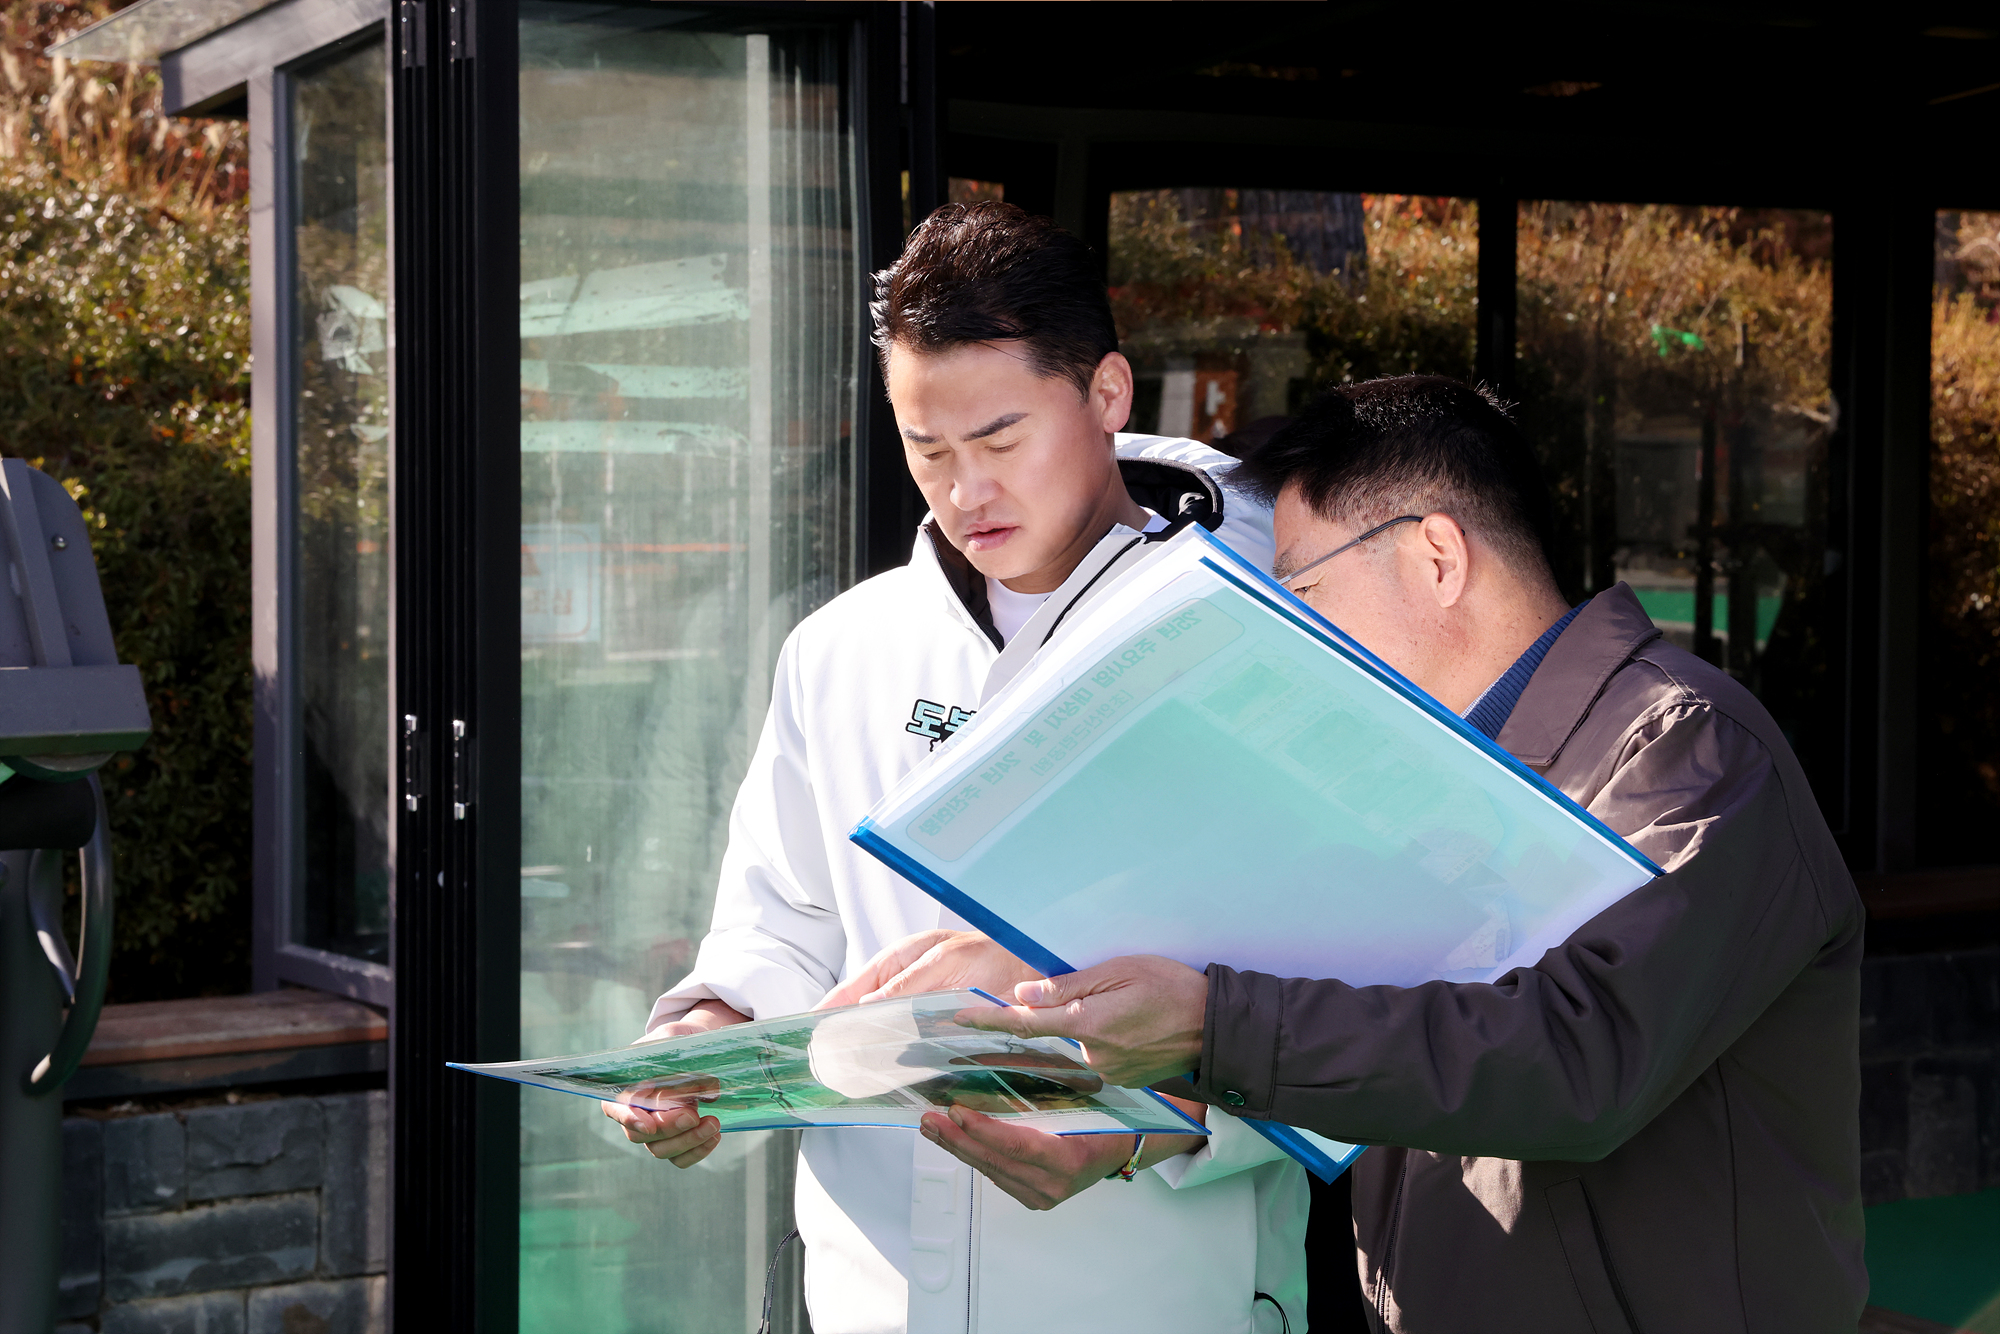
(264, 51)
(455, 943)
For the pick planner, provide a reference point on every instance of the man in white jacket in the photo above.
(1002, 366)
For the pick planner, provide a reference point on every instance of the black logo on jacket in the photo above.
(935, 722)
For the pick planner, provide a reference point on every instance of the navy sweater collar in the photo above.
(1490, 712)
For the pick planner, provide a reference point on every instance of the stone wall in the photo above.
(250, 1215)
(1930, 1074)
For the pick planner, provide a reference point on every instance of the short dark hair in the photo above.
(1365, 453)
(988, 271)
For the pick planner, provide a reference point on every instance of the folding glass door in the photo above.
(690, 309)
(322, 443)
(1676, 369)
(340, 261)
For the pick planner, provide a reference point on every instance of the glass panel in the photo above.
(1958, 773)
(1674, 367)
(1233, 304)
(691, 337)
(340, 284)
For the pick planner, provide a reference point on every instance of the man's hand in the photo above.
(932, 961)
(679, 1135)
(1139, 1018)
(1038, 1169)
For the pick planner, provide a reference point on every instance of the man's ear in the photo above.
(1446, 555)
(1110, 395)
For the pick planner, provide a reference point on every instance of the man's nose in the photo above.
(971, 487)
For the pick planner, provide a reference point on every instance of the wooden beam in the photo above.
(231, 1025)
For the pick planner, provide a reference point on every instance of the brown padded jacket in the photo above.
(1655, 1128)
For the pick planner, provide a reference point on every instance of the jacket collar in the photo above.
(1165, 486)
(1608, 631)
(968, 586)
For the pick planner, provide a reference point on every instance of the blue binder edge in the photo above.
(1289, 605)
(982, 918)
(1303, 1151)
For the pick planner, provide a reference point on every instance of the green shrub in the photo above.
(124, 373)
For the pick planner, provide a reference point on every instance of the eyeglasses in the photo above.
(1292, 580)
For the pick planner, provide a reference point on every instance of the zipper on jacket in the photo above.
(1083, 592)
(971, 1245)
(1203, 507)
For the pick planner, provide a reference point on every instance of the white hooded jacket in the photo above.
(899, 1235)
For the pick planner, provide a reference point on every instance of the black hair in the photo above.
(1361, 454)
(989, 271)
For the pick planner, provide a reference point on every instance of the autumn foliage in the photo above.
(1629, 313)
(1962, 650)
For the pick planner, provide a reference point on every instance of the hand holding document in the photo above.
(884, 1064)
(1204, 769)
(1138, 1018)
(940, 960)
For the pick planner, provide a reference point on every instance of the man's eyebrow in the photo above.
(994, 427)
(1284, 565)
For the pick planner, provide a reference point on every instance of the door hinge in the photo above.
(460, 21)
(464, 766)
(414, 743)
(410, 32)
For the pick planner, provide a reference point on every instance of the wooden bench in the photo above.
(154, 1048)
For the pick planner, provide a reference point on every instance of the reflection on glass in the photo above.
(1674, 366)
(964, 190)
(690, 343)
(1232, 305)
(1958, 770)
(339, 192)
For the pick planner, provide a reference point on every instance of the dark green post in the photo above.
(31, 999)
(66, 707)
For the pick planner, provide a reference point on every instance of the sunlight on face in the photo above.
(1017, 468)
(1372, 592)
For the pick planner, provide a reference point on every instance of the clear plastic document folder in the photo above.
(882, 1064)
(1202, 767)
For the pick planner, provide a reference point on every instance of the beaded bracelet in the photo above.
(1131, 1168)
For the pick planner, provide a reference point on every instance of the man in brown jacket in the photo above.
(1654, 1128)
